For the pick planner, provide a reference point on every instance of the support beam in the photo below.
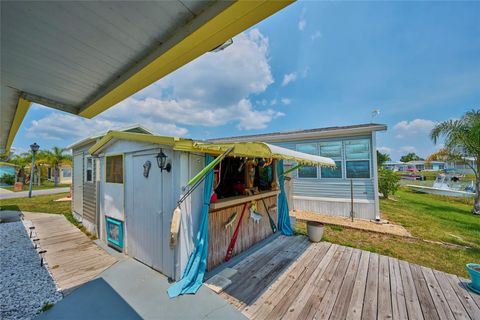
(22, 107)
(225, 25)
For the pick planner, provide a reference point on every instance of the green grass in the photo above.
(44, 185)
(44, 204)
(427, 217)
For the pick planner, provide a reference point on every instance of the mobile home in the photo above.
(143, 178)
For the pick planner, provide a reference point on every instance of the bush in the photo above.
(388, 182)
(8, 179)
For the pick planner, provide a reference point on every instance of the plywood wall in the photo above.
(250, 231)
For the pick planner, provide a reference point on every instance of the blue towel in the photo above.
(197, 262)
(283, 212)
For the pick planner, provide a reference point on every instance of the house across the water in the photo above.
(326, 190)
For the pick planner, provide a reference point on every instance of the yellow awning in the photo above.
(240, 149)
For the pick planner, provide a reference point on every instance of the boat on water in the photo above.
(447, 185)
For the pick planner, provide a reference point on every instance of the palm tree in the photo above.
(56, 158)
(462, 139)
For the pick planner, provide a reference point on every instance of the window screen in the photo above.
(89, 170)
(114, 169)
(357, 154)
(307, 171)
(332, 149)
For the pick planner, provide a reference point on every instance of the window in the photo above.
(114, 169)
(89, 169)
(307, 171)
(66, 172)
(357, 155)
(332, 150)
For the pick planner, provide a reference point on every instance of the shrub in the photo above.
(388, 182)
(8, 179)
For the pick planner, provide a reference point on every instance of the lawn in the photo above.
(45, 204)
(428, 217)
(44, 185)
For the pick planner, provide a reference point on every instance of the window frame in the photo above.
(123, 168)
(340, 158)
(368, 159)
(86, 170)
(317, 173)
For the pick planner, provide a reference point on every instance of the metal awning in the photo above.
(238, 149)
(84, 57)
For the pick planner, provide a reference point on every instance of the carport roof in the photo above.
(84, 57)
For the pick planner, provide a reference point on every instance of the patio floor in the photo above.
(290, 278)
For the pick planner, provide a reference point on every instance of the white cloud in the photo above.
(408, 149)
(286, 101)
(412, 128)
(317, 34)
(212, 90)
(384, 150)
(60, 126)
(302, 24)
(289, 77)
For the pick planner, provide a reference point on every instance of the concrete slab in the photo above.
(141, 291)
(9, 216)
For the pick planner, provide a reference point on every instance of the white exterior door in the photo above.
(78, 184)
(145, 219)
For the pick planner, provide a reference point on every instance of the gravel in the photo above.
(25, 287)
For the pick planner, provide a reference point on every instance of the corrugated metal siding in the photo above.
(327, 188)
(89, 201)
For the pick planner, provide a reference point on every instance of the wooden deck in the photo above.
(290, 278)
(72, 257)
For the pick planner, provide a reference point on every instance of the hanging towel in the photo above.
(283, 212)
(197, 262)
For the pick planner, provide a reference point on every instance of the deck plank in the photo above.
(424, 297)
(302, 297)
(354, 310)
(384, 310)
(438, 297)
(345, 294)
(370, 304)
(451, 297)
(285, 303)
(293, 279)
(399, 307)
(267, 301)
(464, 296)
(411, 296)
(71, 256)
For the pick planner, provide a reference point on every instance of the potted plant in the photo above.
(474, 271)
(315, 231)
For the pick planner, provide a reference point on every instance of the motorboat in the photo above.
(447, 185)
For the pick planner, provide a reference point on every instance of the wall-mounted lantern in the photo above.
(162, 161)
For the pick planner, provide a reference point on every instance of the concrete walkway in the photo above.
(24, 194)
(131, 290)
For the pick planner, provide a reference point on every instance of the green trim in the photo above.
(292, 169)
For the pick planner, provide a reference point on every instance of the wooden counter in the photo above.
(250, 231)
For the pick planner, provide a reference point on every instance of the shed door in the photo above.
(144, 222)
(78, 183)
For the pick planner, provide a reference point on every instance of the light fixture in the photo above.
(223, 46)
(162, 161)
(34, 147)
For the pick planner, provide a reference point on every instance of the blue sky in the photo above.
(314, 64)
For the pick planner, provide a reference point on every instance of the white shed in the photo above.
(138, 195)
